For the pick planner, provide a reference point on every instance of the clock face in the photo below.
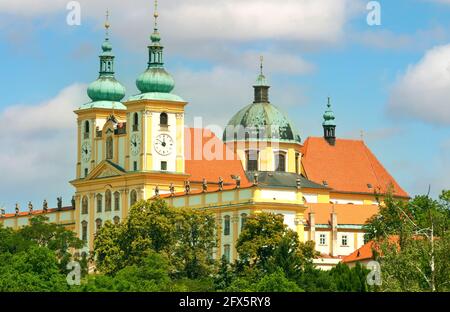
(135, 143)
(163, 144)
(86, 151)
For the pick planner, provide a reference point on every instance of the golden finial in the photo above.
(107, 24)
(156, 15)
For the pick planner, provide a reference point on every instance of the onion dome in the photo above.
(261, 121)
(328, 116)
(155, 79)
(106, 91)
(329, 125)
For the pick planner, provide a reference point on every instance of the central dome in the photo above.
(261, 122)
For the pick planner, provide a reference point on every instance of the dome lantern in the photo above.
(106, 87)
(155, 78)
(261, 121)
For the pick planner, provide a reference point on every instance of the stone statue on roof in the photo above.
(45, 206)
(30, 208)
(59, 202)
(17, 209)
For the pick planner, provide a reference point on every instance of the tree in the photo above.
(413, 240)
(266, 244)
(185, 236)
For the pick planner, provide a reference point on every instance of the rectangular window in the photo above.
(164, 166)
(344, 240)
(134, 165)
(227, 252)
(252, 160)
(322, 239)
(280, 162)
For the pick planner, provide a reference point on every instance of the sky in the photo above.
(389, 82)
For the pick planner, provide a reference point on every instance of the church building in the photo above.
(139, 149)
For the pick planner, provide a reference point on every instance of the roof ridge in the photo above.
(366, 149)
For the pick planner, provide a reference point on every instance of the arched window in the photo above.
(84, 205)
(116, 220)
(163, 120)
(252, 160)
(226, 225)
(135, 121)
(84, 228)
(98, 224)
(243, 220)
(109, 147)
(99, 202)
(280, 162)
(133, 197)
(116, 201)
(108, 200)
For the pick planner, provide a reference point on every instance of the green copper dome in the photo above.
(106, 87)
(261, 121)
(155, 79)
(328, 116)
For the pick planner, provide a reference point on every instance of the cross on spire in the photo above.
(156, 15)
(107, 24)
(261, 58)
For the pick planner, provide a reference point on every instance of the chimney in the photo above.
(312, 226)
(334, 239)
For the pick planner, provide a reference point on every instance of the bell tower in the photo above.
(329, 125)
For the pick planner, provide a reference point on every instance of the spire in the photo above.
(329, 125)
(106, 87)
(261, 86)
(155, 37)
(155, 78)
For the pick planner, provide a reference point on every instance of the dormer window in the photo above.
(163, 120)
(325, 183)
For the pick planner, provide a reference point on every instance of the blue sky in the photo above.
(390, 81)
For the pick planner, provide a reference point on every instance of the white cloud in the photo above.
(40, 141)
(217, 94)
(423, 91)
(308, 20)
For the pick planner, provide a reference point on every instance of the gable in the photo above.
(106, 169)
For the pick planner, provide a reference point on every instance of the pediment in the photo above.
(106, 169)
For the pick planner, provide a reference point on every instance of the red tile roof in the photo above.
(346, 214)
(208, 157)
(348, 166)
(365, 252)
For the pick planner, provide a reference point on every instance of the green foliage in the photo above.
(267, 244)
(184, 236)
(413, 240)
(34, 258)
